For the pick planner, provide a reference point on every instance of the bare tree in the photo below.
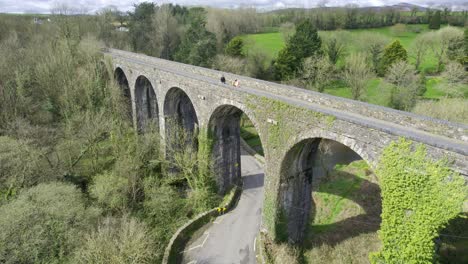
(356, 74)
(374, 44)
(404, 84)
(230, 64)
(287, 30)
(317, 72)
(456, 78)
(228, 23)
(166, 33)
(419, 48)
(439, 42)
(64, 8)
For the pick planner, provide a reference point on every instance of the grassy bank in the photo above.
(250, 135)
(343, 228)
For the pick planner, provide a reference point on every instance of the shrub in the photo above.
(455, 73)
(356, 74)
(334, 49)
(419, 49)
(259, 65)
(318, 72)
(21, 165)
(393, 53)
(110, 190)
(234, 47)
(118, 241)
(422, 84)
(439, 41)
(404, 85)
(230, 64)
(456, 49)
(202, 199)
(419, 197)
(43, 224)
(164, 209)
(137, 156)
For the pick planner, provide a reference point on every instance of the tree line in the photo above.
(169, 31)
(212, 38)
(73, 170)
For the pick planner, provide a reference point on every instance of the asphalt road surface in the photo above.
(230, 239)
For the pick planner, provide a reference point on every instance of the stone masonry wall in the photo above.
(285, 116)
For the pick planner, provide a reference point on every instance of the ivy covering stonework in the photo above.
(419, 197)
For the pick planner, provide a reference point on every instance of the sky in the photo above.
(91, 6)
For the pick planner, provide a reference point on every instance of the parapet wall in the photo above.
(409, 120)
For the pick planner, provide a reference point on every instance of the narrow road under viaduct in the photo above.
(230, 238)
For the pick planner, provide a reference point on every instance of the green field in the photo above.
(272, 43)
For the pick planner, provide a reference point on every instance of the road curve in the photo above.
(230, 238)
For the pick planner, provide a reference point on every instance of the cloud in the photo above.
(91, 6)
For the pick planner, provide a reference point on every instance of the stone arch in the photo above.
(122, 81)
(146, 105)
(181, 121)
(299, 171)
(224, 130)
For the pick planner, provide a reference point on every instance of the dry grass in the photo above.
(352, 250)
(455, 110)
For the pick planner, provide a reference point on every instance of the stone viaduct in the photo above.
(291, 123)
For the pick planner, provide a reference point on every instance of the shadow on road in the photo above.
(253, 181)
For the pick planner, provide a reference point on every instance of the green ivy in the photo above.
(419, 197)
(277, 135)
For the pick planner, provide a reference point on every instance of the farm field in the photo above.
(271, 43)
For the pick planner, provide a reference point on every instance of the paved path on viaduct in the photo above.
(292, 124)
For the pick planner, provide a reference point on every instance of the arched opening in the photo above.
(181, 122)
(451, 245)
(122, 81)
(228, 146)
(147, 112)
(328, 194)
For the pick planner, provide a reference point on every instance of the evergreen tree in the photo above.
(435, 21)
(465, 58)
(234, 47)
(140, 24)
(466, 41)
(198, 47)
(304, 43)
(393, 53)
